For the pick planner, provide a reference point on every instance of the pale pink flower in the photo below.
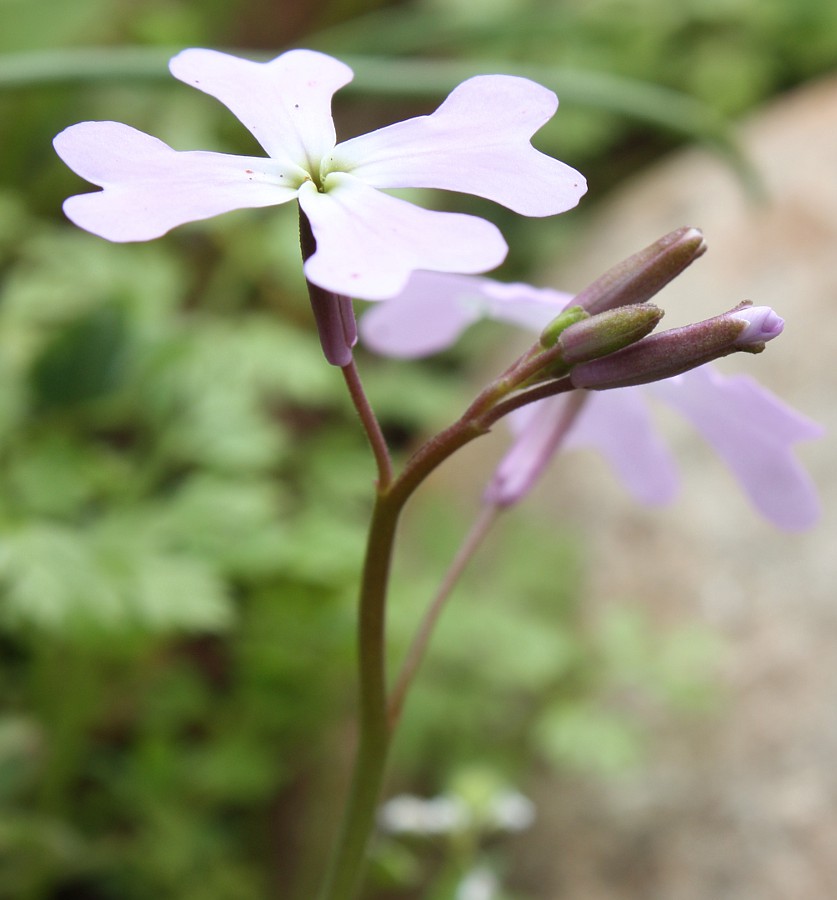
(751, 430)
(368, 242)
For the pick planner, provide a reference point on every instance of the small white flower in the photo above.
(407, 814)
(479, 884)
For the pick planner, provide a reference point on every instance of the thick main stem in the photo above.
(343, 878)
(344, 875)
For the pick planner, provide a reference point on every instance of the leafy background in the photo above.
(183, 488)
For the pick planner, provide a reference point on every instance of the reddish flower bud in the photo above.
(671, 352)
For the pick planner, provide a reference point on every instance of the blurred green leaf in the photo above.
(235, 523)
(580, 736)
(66, 580)
(59, 475)
(82, 362)
(44, 23)
(59, 276)
(21, 745)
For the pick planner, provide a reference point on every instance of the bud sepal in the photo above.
(550, 335)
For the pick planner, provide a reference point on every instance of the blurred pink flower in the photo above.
(748, 427)
(368, 242)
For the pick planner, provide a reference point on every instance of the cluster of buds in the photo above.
(604, 340)
(745, 328)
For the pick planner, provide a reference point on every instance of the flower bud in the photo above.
(608, 332)
(333, 313)
(762, 325)
(571, 315)
(576, 337)
(641, 276)
(669, 353)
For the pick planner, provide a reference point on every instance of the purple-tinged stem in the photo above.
(370, 424)
(483, 524)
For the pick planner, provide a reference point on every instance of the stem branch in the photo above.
(421, 639)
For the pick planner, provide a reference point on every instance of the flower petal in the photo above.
(285, 103)
(763, 324)
(150, 188)
(540, 430)
(521, 304)
(477, 142)
(434, 309)
(618, 424)
(428, 316)
(753, 432)
(369, 243)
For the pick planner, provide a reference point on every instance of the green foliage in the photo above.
(517, 658)
(182, 505)
(618, 66)
(176, 588)
(183, 490)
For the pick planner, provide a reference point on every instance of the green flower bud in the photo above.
(607, 332)
(571, 315)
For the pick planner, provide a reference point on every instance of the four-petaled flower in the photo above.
(368, 242)
(747, 426)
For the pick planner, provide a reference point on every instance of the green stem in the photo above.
(376, 721)
(539, 392)
(344, 875)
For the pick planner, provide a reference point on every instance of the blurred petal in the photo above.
(522, 305)
(428, 316)
(618, 424)
(540, 430)
(285, 103)
(477, 142)
(369, 243)
(150, 188)
(433, 310)
(753, 432)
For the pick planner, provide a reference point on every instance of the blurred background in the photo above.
(184, 489)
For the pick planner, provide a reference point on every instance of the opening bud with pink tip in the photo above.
(762, 325)
(745, 328)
